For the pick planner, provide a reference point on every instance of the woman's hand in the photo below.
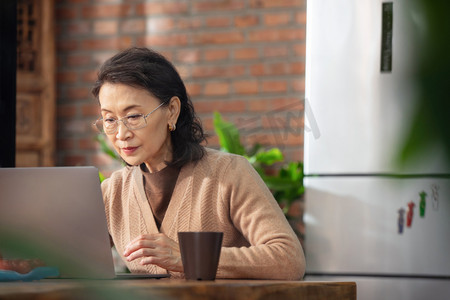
(155, 249)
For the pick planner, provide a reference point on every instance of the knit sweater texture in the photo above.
(221, 192)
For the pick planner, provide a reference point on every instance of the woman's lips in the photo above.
(129, 150)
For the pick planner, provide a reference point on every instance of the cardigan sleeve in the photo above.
(275, 251)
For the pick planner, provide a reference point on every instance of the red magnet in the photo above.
(410, 214)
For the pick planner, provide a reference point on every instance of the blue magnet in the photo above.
(401, 220)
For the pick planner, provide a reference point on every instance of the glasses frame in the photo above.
(124, 120)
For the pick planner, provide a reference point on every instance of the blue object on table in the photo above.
(35, 274)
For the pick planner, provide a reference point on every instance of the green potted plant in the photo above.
(286, 185)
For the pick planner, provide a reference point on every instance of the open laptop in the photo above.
(56, 214)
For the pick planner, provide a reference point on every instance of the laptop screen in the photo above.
(56, 215)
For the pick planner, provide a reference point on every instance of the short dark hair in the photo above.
(147, 69)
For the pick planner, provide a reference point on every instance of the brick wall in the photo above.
(243, 58)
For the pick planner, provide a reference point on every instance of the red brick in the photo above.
(188, 55)
(300, 17)
(229, 37)
(277, 69)
(288, 104)
(100, 57)
(213, 141)
(298, 85)
(274, 138)
(66, 45)
(160, 24)
(65, 143)
(87, 144)
(274, 86)
(162, 8)
(91, 110)
(218, 22)
(217, 71)
(275, 104)
(77, 2)
(246, 21)
(293, 153)
(298, 68)
(289, 34)
(78, 28)
(271, 69)
(75, 160)
(77, 93)
(100, 1)
(300, 49)
(108, 27)
(207, 122)
(106, 11)
(89, 76)
(277, 19)
(296, 120)
(257, 69)
(67, 77)
(274, 121)
(260, 105)
(77, 60)
(153, 40)
(133, 26)
(65, 14)
(67, 111)
(101, 159)
(194, 89)
(208, 5)
(221, 106)
(276, 51)
(189, 23)
(126, 42)
(277, 3)
(183, 70)
(246, 87)
(100, 44)
(216, 88)
(246, 53)
(216, 54)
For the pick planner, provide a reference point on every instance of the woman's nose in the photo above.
(122, 131)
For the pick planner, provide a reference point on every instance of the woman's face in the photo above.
(150, 145)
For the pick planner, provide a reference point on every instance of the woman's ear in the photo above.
(174, 109)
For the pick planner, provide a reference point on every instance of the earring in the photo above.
(172, 127)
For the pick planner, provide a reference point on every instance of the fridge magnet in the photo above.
(410, 214)
(401, 220)
(422, 203)
(435, 196)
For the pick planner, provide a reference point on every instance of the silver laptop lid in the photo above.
(57, 215)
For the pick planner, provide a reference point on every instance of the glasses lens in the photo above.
(135, 122)
(105, 127)
(99, 126)
(131, 122)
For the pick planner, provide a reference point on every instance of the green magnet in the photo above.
(422, 204)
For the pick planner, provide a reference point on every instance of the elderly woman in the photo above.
(172, 183)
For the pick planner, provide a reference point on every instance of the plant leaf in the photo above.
(228, 134)
(269, 157)
(106, 149)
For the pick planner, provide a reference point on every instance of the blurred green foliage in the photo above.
(430, 126)
(105, 148)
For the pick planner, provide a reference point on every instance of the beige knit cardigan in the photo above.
(221, 192)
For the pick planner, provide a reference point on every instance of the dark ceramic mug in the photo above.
(200, 253)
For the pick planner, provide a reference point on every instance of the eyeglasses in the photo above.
(132, 122)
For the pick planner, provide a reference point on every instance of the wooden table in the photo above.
(137, 289)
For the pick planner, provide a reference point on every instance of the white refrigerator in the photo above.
(367, 218)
